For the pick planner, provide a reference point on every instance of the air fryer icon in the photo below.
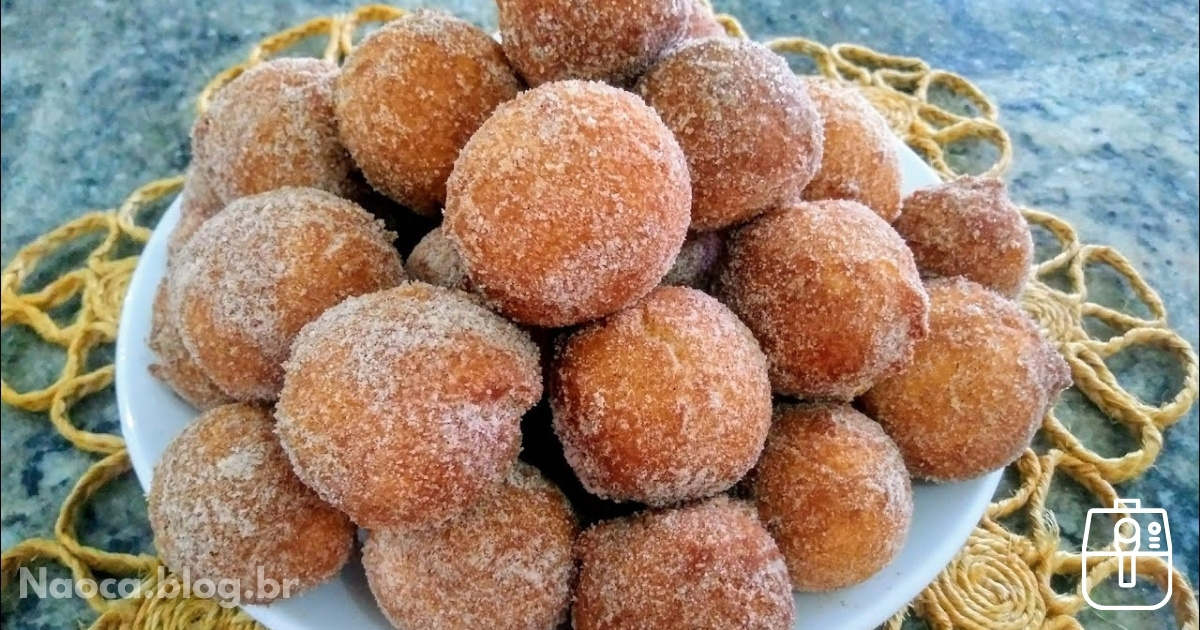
(1137, 533)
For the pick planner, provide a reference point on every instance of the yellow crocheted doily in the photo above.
(1000, 579)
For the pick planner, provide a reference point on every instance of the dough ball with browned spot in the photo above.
(273, 126)
(403, 407)
(832, 489)
(262, 268)
(569, 203)
(226, 507)
(830, 291)
(410, 96)
(600, 40)
(666, 401)
(860, 162)
(976, 390)
(971, 228)
(706, 566)
(506, 563)
(746, 123)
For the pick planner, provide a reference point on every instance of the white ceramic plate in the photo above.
(151, 415)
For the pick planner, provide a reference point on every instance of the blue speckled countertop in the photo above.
(1100, 99)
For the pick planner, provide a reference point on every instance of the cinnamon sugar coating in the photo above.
(976, 390)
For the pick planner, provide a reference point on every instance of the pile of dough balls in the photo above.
(614, 322)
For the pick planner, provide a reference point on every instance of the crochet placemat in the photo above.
(1007, 575)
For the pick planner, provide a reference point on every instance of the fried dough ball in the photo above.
(403, 407)
(225, 505)
(434, 260)
(262, 268)
(175, 365)
(410, 96)
(746, 123)
(702, 22)
(504, 564)
(663, 402)
(831, 293)
(696, 261)
(976, 389)
(969, 227)
(273, 126)
(569, 203)
(832, 489)
(197, 204)
(708, 566)
(601, 40)
(860, 160)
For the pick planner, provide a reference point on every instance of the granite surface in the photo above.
(1099, 97)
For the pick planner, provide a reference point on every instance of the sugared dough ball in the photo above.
(410, 96)
(860, 160)
(708, 566)
(505, 564)
(175, 365)
(751, 133)
(832, 489)
(262, 268)
(702, 23)
(696, 260)
(225, 505)
(403, 407)
(969, 227)
(271, 127)
(976, 390)
(197, 204)
(569, 203)
(434, 260)
(663, 402)
(601, 40)
(831, 293)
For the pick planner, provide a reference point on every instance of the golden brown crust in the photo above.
(663, 402)
(569, 203)
(403, 407)
(198, 202)
(225, 505)
(832, 489)
(271, 127)
(410, 96)
(505, 564)
(603, 40)
(976, 390)
(860, 161)
(831, 293)
(175, 365)
(709, 566)
(745, 121)
(262, 268)
(969, 227)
